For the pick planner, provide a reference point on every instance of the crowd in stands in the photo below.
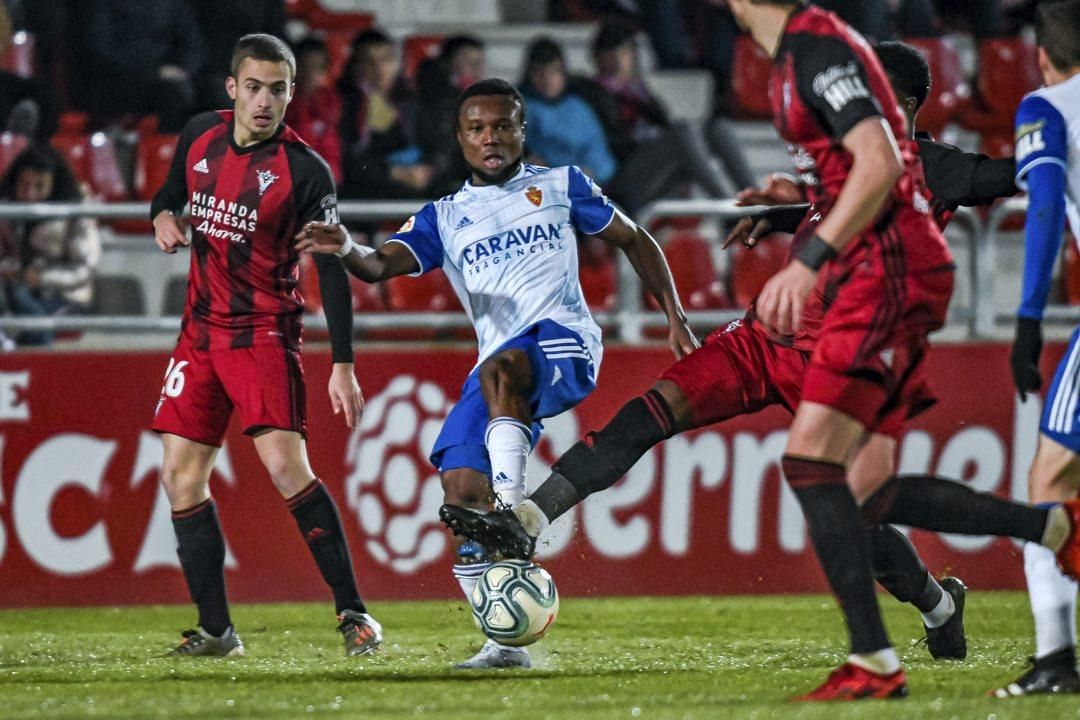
(104, 85)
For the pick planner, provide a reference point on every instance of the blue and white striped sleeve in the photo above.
(1041, 162)
(420, 234)
(590, 209)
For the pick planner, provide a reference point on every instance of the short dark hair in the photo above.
(613, 33)
(369, 37)
(261, 46)
(907, 69)
(456, 43)
(42, 158)
(308, 44)
(491, 86)
(1057, 31)
(543, 51)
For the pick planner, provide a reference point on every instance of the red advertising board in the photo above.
(83, 520)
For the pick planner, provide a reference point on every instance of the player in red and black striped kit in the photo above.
(251, 184)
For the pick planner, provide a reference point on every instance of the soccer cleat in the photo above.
(948, 641)
(362, 633)
(199, 643)
(1055, 673)
(500, 531)
(851, 682)
(496, 656)
(1068, 556)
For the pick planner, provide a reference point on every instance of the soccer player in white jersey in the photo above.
(1048, 167)
(507, 241)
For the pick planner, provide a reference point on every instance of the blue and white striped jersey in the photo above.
(510, 251)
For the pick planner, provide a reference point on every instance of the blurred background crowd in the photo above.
(652, 98)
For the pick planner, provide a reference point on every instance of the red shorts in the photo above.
(868, 359)
(739, 370)
(264, 383)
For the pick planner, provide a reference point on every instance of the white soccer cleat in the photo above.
(493, 655)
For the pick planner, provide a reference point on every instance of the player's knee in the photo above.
(466, 488)
(184, 486)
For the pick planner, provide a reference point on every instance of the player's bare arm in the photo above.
(169, 233)
(876, 166)
(780, 189)
(368, 264)
(649, 263)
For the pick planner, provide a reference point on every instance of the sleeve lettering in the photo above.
(833, 81)
(1041, 137)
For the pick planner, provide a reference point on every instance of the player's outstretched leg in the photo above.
(590, 466)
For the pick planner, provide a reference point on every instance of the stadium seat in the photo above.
(431, 292)
(1008, 70)
(175, 295)
(319, 18)
(950, 91)
(416, 49)
(750, 80)
(997, 143)
(338, 45)
(153, 156)
(11, 145)
(19, 58)
(752, 267)
(599, 284)
(365, 296)
(690, 258)
(118, 295)
(93, 160)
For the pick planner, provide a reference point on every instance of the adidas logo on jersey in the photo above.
(464, 223)
(201, 167)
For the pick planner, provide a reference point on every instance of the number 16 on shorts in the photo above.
(174, 381)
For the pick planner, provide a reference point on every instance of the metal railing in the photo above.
(630, 319)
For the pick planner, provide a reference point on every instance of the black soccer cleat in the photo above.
(500, 531)
(948, 641)
(199, 643)
(362, 633)
(1053, 674)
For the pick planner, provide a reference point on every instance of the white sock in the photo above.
(1053, 601)
(882, 662)
(941, 612)
(532, 517)
(467, 575)
(508, 443)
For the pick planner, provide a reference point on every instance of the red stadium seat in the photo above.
(431, 292)
(691, 262)
(1008, 70)
(299, 9)
(997, 144)
(949, 92)
(153, 157)
(599, 284)
(416, 49)
(93, 160)
(366, 297)
(752, 267)
(337, 49)
(750, 80)
(319, 18)
(11, 145)
(19, 58)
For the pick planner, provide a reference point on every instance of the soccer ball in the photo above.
(515, 602)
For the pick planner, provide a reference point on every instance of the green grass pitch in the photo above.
(722, 657)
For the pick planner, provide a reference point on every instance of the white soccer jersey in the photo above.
(1048, 131)
(510, 251)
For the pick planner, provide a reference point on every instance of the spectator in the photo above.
(315, 110)
(137, 57)
(223, 22)
(563, 129)
(27, 107)
(46, 266)
(378, 145)
(459, 64)
(655, 154)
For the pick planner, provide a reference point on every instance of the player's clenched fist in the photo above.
(169, 233)
(781, 302)
(320, 237)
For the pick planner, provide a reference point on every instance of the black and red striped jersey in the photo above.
(246, 205)
(826, 79)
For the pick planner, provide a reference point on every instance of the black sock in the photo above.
(320, 524)
(942, 505)
(900, 571)
(201, 548)
(601, 458)
(841, 546)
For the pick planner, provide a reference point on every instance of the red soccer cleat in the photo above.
(851, 682)
(1068, 556)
